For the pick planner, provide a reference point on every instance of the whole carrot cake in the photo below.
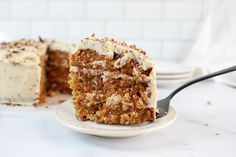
(22, 75)
(32, 69)
(112, 82)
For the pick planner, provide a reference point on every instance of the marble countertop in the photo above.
(205, 126)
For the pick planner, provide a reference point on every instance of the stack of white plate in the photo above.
(228, 79)
(171, 74)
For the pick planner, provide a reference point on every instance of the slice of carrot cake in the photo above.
(112, 82)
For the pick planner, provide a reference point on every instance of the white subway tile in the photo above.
(105, 9)
(183, 10)
(162, 30)
(81, 29)
(29, 9)
(124, 29)
(48, 29)
(144, 9)
(5, 9)
(67, 9)
(176, 50)
(190, 30)
(15, 29)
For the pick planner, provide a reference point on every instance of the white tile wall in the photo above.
(183, 10)
(78, 29)
(190, 30)
(124, 29)
(48, 29)
(164, 28)
(5, 10)
(102, 9)
(176, 50)
(15, 28)
(29, 9)
(67, 9)
(144, 10)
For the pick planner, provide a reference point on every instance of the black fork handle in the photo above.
(227, 70)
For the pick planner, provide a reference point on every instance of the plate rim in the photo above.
(119, 133)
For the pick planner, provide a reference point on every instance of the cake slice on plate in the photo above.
(112, 82)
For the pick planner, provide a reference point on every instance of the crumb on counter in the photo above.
(209, 103)
(61, 101)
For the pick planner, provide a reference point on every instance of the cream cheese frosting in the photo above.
(19, 84)
(20, 72)
(22, 52)
(61, 46)
(109, 47)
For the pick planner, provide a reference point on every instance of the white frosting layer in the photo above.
(22, 52)
(19, 84)
(152, 86)
(108, 47)
(20, 72)
(61, 46)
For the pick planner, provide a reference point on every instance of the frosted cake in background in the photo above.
(32, 69)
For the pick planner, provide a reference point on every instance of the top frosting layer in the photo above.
(61, 46)
(109, 46)
(22, 52)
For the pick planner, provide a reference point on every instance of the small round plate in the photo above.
(172, 68)
(174, 76)
(171, 82)
(65, 114)
(228, 79)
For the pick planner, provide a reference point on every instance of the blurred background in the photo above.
(166, 29)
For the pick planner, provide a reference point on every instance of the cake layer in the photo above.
(109, 115)
(58, 58)
(138, 91)
(57, 72)
(106, 81)
(90, 59)
(115, 101)
(110, 47)
(111, 98)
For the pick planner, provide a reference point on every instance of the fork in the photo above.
(163, 105)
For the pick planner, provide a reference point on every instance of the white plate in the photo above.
(175, 76)
(171, 82)
(172, 68)
(228, 79)
(66, 115)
